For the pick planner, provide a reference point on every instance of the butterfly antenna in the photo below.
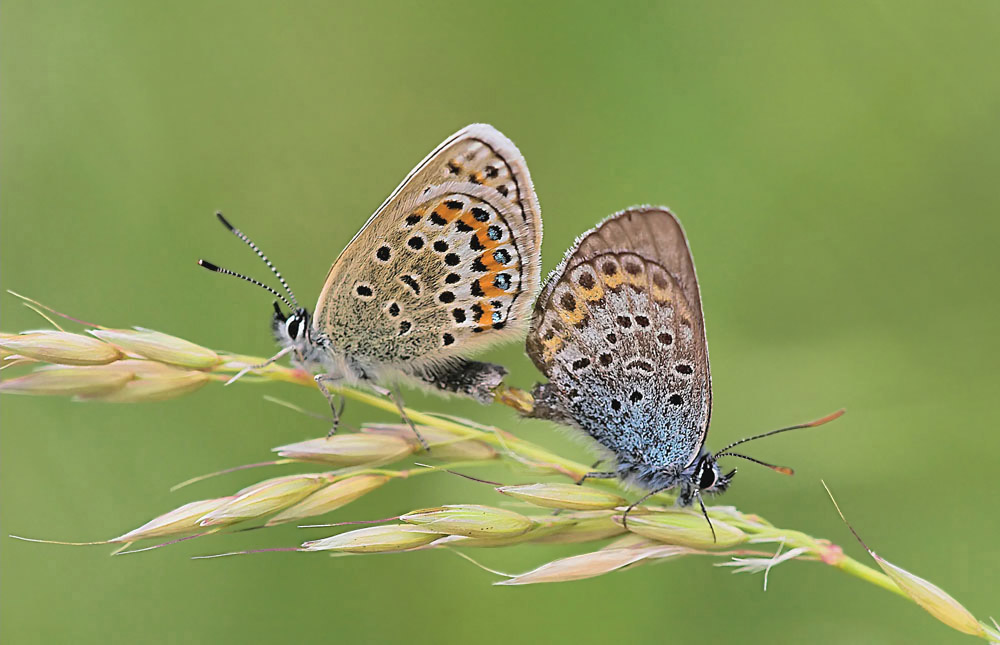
(243, 236)
(784, 470)
(811, 424)
(211, 267)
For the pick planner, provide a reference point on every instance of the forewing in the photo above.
(448, 264)
(619, 332)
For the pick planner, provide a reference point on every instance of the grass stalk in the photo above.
(136, 365)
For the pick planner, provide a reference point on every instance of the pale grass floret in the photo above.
(150, 382)
(470, 520)
(564, 496)
(180, 521)
(349, 449)
(157, 346)
(54, 380)
(683, 527)
(374, 539)
(542, 527)
(932, 598)
(60, 347)
(263, 499)
(445, 444)
(612, 557)
(588, 526)
(330, 498)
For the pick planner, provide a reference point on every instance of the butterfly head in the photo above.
(292, 330)
(708, 477)
(703, 476)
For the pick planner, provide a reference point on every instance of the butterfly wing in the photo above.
(448, 264)
(619, 332)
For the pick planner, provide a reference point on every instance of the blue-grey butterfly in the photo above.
(447, 265)
(619, 332)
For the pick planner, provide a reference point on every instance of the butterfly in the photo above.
(448, 265)
(618, 330)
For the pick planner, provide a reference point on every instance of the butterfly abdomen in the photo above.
(459, 376)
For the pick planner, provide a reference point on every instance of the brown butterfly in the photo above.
(448, 265)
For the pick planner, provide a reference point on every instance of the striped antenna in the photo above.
(243, 236)
(812, 424)
(217, 269)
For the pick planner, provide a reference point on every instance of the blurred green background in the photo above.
(835, 168)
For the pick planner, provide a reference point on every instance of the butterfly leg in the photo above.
(643, 499)
(398, 400)
(597, 474)
(336, 406)
(704, 511)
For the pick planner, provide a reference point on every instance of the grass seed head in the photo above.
(352, 449)
(263, 498)
(374, 539)
(329, 498)
(932, 598)
(445, 444)
(543, 526)
(4, 352)
(68, 381)
(597, 563)
(61, 348)
(565, 496)
(176, 522)
(160, 347)
(683, 528)
(587, 526)
(471, 520)
(158, 387)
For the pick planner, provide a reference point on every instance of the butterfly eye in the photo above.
(707, 478)
(292, 327)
